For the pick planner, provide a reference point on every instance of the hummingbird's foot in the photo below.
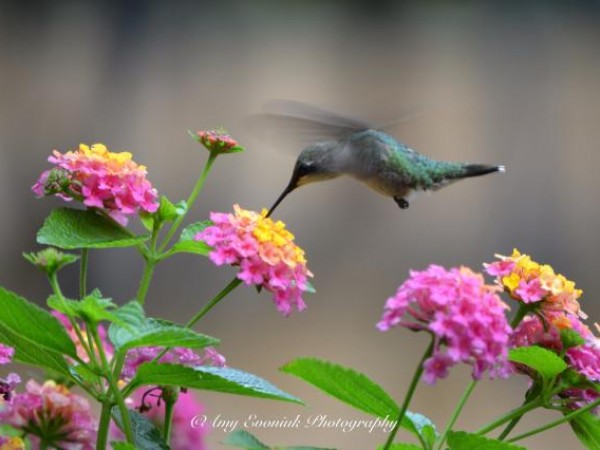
(403, 204)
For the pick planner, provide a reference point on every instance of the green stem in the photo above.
(190, 201)
(83, 265)
(58, 293)
(518, 412)
(103, 425)
(465, 396)
(409, 395)
(200, 314)
(116, 393)
(169, 406)
(151, 261)
(521, 312)
(212, 303)
(145, 281)
(513, 423)
(560, 421)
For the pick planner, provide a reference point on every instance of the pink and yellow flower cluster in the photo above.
(265, 252)
(528, 281)
(101, 179)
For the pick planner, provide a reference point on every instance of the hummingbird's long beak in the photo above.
(293, 184)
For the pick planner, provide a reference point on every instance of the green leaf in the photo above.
(189, 232)
(243, 439)
(547, 363)
(587, 429)
(145, 434)
(345, 384)
(401, 446)
(167, 211)
(155, 332)
(91, 309)
(28, 353)
(30, 325)
(461, 440)
(359, 391)
(421, 426)
(195, 247)
(187, 243)
(220, 379)
(571, 338)
(147, 220)
(74, 228)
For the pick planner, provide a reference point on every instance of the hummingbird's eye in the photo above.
(307, 168)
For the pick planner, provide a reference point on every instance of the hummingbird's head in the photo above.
(317, 162)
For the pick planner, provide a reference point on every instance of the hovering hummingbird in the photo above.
(374, 157)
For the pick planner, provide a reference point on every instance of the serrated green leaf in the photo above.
(345, 384)
(189, 232)
(30, 354)
(547, 363)
(160, 333)
(195, 247)
(220, 379)
(32, 325)
(187, 243)
(91, 309)
(461, 440)
(570, 338)
(357, 390)
(420, 426)
(74, 228)
(586, 427)
(401, 446)
(147, 220)
(243, 439)
(168, 211)
(145, 434)
(131, 313)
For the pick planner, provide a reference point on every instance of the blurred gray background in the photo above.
(516, 84)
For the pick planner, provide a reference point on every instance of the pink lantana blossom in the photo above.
(6, 354)
(265, 252)
(177, 355)
(80, 347)
(100, 179)
(585, 359)
(465, 316)
(52, 414)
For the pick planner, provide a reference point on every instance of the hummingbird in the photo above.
(367, 154)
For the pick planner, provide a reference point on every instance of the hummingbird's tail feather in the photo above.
(475, 170)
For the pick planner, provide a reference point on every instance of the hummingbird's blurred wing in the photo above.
(298, 121)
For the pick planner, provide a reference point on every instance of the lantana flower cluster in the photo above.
(528, 281)
(265, 252)
(218, 141)
(50, 412)
(465, 316)
(555, 307)
(101, 179)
